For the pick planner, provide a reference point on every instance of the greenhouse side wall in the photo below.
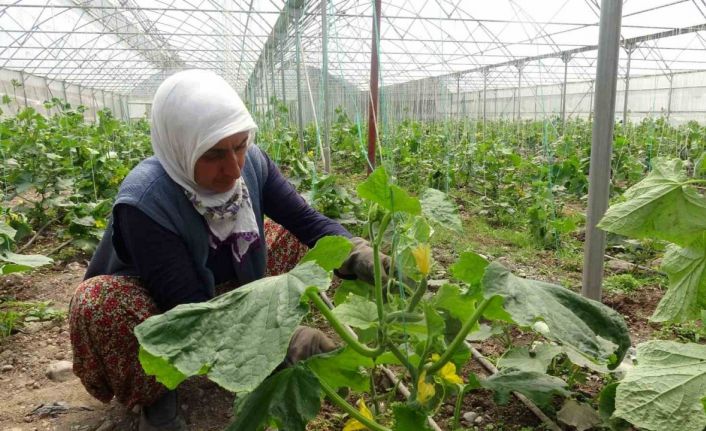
(436, 99)
(26, 90)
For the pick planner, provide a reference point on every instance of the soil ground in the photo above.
(24, 385)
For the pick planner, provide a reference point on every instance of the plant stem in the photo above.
(421, 289)
(343, 404)
(364, 350)
(460, 337)
(382, 228)
(459, 404)
(373, 392)
(403, 359)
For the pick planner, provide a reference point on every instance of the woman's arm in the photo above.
(160, 256)
(285, 206)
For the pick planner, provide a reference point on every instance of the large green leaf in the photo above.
(30, 260)
(538, 387)
(409, 419)
(469, 268)
(580, 416)
(587, 326)
(377, 188)
(13, 267)
(686, 296)
(357, 312)
(290, 399)
(351, 287)
(660, 206)
(450, 298)
(6, 229)
(239, 337)
(437, 206)
(664, 391)
(342, 368)
(522, 358)
(329, 252)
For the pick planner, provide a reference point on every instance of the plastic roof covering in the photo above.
(129, 46)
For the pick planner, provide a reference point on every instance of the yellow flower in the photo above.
(448, 371)
(425, 391)
(422, 257)
(353, 424)
(100, 224)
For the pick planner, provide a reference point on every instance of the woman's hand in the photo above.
(359, 263)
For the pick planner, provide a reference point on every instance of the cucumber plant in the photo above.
(667, 388)
(398, 322)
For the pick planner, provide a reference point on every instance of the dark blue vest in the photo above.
(152, 191)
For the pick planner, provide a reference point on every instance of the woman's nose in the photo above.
(231, 165)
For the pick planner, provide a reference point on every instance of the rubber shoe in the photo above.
(162, 415)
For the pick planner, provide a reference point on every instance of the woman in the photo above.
(185, 221)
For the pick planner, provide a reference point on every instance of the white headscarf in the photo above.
(191, 112)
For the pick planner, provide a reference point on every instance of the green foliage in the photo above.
(13, 262)
(232, 327)
(377, 189)
(537, 386)
(14, 314)
(536, 359)
(583, 325)
(422, 332)
(62, 169)
(665, 389)
(287, 400)
(625, 283)
(665, 206)
(661, 206)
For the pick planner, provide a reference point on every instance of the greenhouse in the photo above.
(353, 215)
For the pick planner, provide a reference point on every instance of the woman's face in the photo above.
(219, 167)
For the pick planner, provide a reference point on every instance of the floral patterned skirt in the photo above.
(105, 310)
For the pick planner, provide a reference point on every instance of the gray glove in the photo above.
(360, 265)
(305, 343)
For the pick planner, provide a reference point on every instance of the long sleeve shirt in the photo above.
(165, 265)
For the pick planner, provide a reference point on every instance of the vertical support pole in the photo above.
(629, 47)
(122, 108)
(266, 92)
(49, 94)
(272, 100)
(24, 87)
(495, 105)
(300, 113)
(95, 105)
(324, 77)
(103, 98)
(374, 74)
(458, 96)
(601, 145)
(590, 101)
(520, 66)
(669, 95)
(63, 90)
(485, 97)
(565, 58)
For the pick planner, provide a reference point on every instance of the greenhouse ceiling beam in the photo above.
(159, 52)
(572, 52)
(291, 11)
(338, 15)
(579, 48)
